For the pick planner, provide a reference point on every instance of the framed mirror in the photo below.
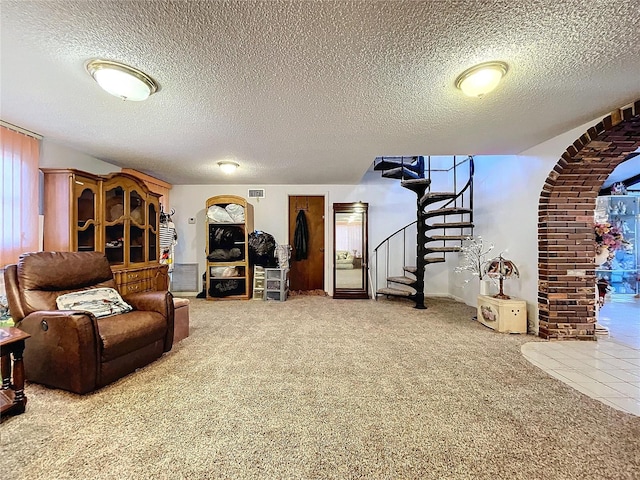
(350, 250)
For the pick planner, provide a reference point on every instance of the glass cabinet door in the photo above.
(153, 233)
(86, 225)
(137, 233)
(114, 225)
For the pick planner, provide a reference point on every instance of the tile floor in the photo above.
(608, 369)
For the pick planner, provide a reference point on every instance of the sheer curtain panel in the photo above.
(19, 191)
(349, 237)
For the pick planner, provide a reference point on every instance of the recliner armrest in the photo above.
(157, 301)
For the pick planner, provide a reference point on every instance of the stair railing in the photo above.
(467, 190)
(463, 197)
(386, 253)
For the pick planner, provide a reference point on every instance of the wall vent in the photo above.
(184, 278)
(256, 193)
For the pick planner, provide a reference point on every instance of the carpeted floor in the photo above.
(316, 388)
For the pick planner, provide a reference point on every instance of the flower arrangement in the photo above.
(608, 236)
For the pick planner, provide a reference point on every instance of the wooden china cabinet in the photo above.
(115, 214)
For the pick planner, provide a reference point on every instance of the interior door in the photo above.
(307, 273)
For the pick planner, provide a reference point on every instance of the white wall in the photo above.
(53, 155)
(506, 196)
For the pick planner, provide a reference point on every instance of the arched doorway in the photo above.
(566, 240)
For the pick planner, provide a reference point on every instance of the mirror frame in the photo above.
(353, 293)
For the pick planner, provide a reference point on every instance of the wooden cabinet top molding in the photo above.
(71, 171)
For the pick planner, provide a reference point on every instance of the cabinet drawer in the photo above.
(134, 287)
(136, 276)
(141, 279)
(279, 296)
(277, 273)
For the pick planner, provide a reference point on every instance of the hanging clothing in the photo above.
(168, 242)
(301, 237)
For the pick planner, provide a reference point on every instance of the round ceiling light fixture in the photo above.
(228, 166)
(121, 80)
(481, 79)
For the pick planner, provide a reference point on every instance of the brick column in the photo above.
(566, 239)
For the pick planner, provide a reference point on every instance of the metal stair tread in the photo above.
(437, 238)
(450, 225)
(443, 249)
(400, 173)
(434, 259)
(397, 292)
(440, 194)
(416, 181)
(385, 164)
(421, 181)
(433, 197)
(416, 185)
(403, 280)
(446, 211)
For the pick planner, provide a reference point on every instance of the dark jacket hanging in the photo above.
(301, 237)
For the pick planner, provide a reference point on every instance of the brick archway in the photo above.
(566, 240)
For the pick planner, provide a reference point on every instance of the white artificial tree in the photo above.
(474, 255)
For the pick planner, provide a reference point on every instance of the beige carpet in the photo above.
(316, 388)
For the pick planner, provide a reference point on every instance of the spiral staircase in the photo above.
(444, 220)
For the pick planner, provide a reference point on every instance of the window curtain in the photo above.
(19, 184)
(349, 237)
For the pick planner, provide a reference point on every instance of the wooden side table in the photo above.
(12, 397)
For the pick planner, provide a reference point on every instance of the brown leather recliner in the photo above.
(74, 350)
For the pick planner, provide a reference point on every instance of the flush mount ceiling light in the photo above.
(481, 79)
(228, 166)
(121, 80)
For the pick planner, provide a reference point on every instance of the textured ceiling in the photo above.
(310, 92)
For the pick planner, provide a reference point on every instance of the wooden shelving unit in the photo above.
(228, 273)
